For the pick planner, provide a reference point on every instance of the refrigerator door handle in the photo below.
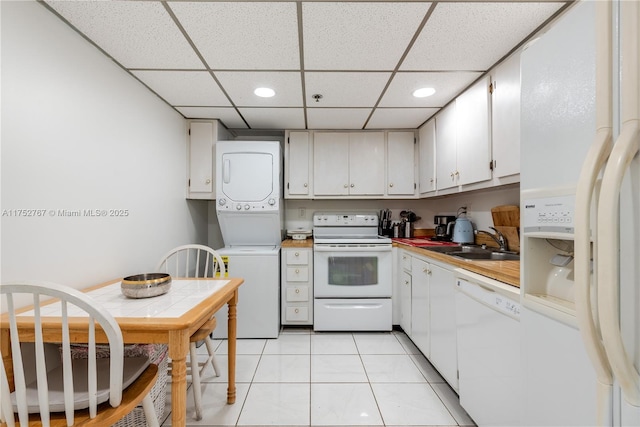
(624, 150)
(585, 193)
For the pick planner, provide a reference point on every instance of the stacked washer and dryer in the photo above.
(249, 210)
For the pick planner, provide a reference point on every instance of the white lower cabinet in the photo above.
(405, 293)
(427, 304)
(420, 322)
(297, 286)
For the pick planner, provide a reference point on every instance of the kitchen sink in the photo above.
(476, 253)
(487, 255)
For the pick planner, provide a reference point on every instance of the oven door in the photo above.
(352, 271)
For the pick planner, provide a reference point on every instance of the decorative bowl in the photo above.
(146, 285)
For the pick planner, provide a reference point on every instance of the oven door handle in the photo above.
(351, 248)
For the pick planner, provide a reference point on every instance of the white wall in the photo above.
(78, 132)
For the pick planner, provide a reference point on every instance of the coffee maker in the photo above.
(444, 227)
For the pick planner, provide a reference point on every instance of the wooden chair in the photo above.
(196, 261)
(68, 391)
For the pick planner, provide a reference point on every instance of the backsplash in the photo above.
(299, 213)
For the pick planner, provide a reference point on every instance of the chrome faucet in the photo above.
(500, 240)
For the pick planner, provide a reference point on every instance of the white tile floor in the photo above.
(306, 378)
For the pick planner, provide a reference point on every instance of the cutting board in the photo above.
(511, 234)
(506, 215)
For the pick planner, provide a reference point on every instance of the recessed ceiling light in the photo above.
(264, 92)
(424, 92)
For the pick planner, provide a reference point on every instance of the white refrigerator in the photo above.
(580, 202)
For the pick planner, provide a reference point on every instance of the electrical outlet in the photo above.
(302, 212)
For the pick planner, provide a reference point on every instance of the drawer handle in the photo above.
(297, 291)
(297, 254)
(297, 310)
(297, 270)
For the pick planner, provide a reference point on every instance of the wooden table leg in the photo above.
(178, 351)
(231, 334)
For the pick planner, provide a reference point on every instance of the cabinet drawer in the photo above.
(297, 274)
(297, 314)
(297, 293)
(298, 257)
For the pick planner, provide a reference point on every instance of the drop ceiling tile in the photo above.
(187, 88)
(344, 89)
(243, 35)
(447, 85)
(358, 35)
(474, 36)
(136, 34)
(240, 85)
(337, 118)
(400, 118)
(274, 118)
(229, 116)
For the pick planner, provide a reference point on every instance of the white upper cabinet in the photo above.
(297, 168)
(401, 174)
(463, 144)
(506, 117)
(331, 163)
(446, 168)
(473, 134)
(348, 163)
(366, 163)
(427, 153)
(202, 139)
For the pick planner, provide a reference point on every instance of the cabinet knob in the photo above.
(431, 180)
(457, 173)
(452, 175)
(406, 282)
(297, 270)
(297, 254)
(297, 291)
(305, 185)
(346, 186)
(297, 310)
(391, 184)
(426, 270)
(208, 181)
(352, 185)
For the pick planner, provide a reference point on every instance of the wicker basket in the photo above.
(158, 355)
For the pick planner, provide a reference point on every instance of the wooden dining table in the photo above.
(169, 319)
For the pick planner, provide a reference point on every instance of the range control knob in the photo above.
(246, 207)
(272, 202)
(222, 202)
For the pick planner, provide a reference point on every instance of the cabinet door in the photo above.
(427, 153)
(366, 163)
(420, 309)
(505, 107)
(405, 303)
(201, 159)
(444, 348)
(446, 147)
(298, 164)
(331, 164)
(473, 146)
(401, 177)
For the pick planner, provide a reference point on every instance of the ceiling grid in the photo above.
(365, 58)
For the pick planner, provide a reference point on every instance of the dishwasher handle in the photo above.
(490, 298)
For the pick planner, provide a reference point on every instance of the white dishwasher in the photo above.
(488, 333)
